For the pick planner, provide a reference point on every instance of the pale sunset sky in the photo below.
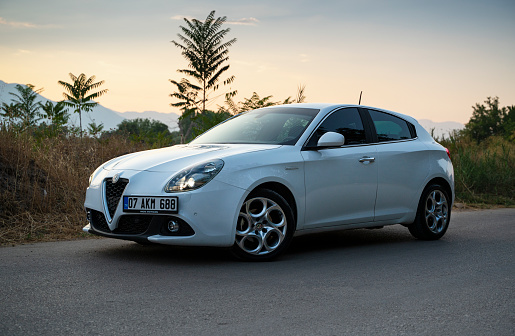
(429, 59)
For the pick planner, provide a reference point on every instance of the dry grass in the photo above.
(43, 183)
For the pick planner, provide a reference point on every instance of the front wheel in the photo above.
(433, 214)
(265, 226)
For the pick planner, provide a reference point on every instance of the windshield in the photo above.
(269, 125)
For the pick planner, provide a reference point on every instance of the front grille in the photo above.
(133, 224)
(114, 192)
(99, 222)
(139, 225)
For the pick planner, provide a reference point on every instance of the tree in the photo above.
(188, 102)
(203, 46)
(27, 108)
(78, 94)
(56, 114)
(10, 113)
(94, 129)
(509, 123)
(57, 117)
(146, 130)
(490, 119)
(209, 119)
(300, 96)
(255, 102)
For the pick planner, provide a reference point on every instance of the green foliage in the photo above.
(24, 107)
(484, 172)
(79, 96)
(255, 102)
(56, 114)
(491, 120)
(151, 132)
(95, 130)
(252, 103)
(188, 97)
(201, 122)
(10, 115)
(209, 119)
(57, 117)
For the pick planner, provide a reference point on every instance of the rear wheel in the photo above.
(433, 214)
(265, 226)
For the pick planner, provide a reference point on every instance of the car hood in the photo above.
(178, 157)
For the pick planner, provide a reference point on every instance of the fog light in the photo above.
(173, 226)
(88, 216)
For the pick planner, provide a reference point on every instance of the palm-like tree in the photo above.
(56, 114)
(78, 94)
(26, 105)
(11, 113)
(255, 102)
(188, 97)
(207, 54)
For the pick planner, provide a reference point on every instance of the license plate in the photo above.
(146, 204)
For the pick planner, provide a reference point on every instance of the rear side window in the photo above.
(389, 127)
(346, 122)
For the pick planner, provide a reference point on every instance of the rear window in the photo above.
(389, 127)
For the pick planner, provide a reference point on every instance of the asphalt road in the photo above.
(360, 282)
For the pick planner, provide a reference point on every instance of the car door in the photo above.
(340, 182)
(402, 163)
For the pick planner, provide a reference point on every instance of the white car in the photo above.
(257, 179)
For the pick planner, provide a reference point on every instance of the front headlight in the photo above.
(194, 177)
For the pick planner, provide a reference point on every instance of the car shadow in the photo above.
(344, 242)
(350, 239)
(165, 254)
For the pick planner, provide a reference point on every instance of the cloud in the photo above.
(181, 17)
(243, 22)
(16, 24)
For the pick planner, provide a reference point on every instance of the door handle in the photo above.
(367, 159)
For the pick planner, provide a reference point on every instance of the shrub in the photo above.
(485, 171)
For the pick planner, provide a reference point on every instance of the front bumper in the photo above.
(206, 216)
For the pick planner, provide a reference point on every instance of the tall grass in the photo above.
(43, 183)
(484, 172)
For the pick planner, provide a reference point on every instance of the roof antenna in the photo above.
(360, 98)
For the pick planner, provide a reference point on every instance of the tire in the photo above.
(433, 214)
(264, 228)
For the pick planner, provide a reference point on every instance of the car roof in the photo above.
(327, 107)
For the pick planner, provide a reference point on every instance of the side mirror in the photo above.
(331, 139)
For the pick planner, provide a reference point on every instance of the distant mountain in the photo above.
(440, 129)
(99, 114)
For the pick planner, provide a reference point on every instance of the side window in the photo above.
(389, 127)
(346, 122)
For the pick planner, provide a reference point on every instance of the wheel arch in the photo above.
(282, 190)
(443, 182)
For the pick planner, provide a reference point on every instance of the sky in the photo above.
(428, 59)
